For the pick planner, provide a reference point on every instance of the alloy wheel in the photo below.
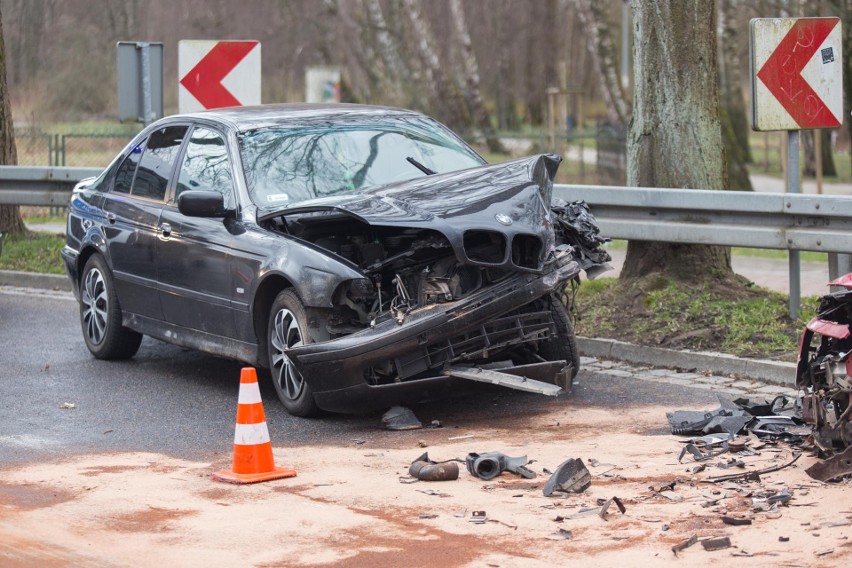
(286, 335)
(95, 301)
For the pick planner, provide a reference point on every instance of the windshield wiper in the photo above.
(420, 166)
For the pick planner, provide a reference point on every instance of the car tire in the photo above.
(288, 328)
(564, 345)
(100, 314)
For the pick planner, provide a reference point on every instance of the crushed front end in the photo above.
(462, 274)
(824, 371)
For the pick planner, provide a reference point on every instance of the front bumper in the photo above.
(335, 369)
(69, 257)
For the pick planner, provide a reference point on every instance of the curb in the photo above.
(35, 280)
(773, 372)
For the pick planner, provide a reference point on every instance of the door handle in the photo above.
(165, 229)
(111, 218)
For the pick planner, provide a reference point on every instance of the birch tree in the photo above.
(675, 135)
(10, 215)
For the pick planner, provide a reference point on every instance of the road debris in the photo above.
(67, 406)
(425, 469)
(561, 534)
(685, 544)
(400, 418)
(754, 475)
(832, 468)
(603, 512)
(712, 544)
(735, 521)
(489, 465)
(478, 517)
(571, 476)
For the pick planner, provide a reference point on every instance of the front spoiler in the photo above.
(335, 369)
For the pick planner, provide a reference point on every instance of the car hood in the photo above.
(517, 192)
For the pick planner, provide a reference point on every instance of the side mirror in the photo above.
(202, 203)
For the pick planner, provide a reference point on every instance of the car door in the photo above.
(194, 252)
(132, 210)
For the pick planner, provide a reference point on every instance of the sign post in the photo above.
(796, 84)
(217, 74)
(140, 81)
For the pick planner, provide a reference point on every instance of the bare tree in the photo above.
(10, 215)
(471, 72)
(675, 137)
(601, 48)
(735, 123)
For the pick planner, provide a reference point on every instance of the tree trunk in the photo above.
(675, 137)
(10, 215)
(471, 72)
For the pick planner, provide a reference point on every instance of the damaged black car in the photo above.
(364, 255)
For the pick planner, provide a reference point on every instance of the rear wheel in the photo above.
(100, 314)
(288, 328)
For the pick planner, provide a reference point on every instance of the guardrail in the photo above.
(43, 186)
(782, 221)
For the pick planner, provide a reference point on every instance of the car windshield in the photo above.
(287, 165)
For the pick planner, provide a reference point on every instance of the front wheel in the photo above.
(288, 328)
(563, 346)
(100, 314)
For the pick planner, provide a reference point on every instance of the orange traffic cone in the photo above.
(253, 459)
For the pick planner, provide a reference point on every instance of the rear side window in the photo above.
(124, 175)
(158, 160)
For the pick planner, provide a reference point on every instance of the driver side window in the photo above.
(206, 166)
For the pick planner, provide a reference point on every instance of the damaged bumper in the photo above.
(430, 339)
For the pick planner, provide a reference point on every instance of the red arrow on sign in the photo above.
(204, 81)
(782, 73)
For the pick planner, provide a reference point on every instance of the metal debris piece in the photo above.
(754, 475)
(478, 517)
(685, 544)
(727, 418)
(712, 544)
(464, 437)
(425, 469)
(433, 492)
(824, 552)
(489, 465)
(783, 539)
(67, 406)
(698, 455)
(782, 498)
(427, 516)
(733, 462)
(699, 468)
(561, 534)
(736, 521)
(832, 468)
(571, 476)
(400, 418)
(609, 502)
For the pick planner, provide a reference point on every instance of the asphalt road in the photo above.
(182, 403)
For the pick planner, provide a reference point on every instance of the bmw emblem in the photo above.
(503, 219)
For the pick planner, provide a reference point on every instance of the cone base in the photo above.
(229, 476)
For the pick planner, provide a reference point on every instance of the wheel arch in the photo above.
(266, 293)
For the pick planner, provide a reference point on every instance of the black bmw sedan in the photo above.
(364, 255)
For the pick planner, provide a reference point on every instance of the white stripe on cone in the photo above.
(251, 434)
(249, 393)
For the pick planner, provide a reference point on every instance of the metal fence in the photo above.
(94, 149)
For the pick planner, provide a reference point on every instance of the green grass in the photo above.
(755, 324)
(808, 256)
(36, 252)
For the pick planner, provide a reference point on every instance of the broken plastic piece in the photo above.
(609, 502)
(571, 476)
(712, 544)
(400, 418)
(735, 521)
(478, 517)
(425, 469)
(753, 475)
(489, 465)
(835, 466)
(685, 544)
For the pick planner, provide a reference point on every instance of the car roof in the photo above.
(263, 116)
